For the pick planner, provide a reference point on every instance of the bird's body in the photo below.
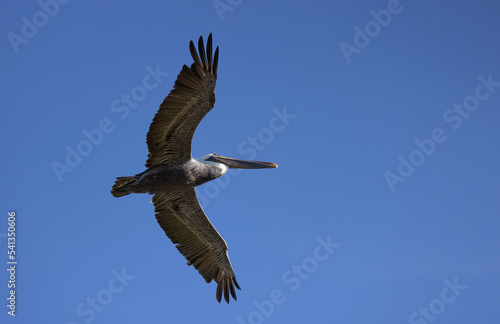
(165, 178)
(172, 173)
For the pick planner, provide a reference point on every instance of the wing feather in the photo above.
(183, 220)
(171, 132)
(201, 49)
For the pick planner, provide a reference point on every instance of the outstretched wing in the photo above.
(170, 134)
(183, 220)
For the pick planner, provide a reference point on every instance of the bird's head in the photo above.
(235, 163)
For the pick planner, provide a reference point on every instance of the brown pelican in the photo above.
(172, 172)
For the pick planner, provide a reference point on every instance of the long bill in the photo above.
(242, 164)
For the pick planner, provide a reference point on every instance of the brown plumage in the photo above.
(172, 172)
(170, 134)
(185, 223)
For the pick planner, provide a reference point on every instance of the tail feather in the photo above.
(118, 189)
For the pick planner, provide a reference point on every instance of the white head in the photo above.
(207, 159)
(230, 163)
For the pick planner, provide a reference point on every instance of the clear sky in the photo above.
(382, 115)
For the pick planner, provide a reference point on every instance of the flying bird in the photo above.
(172, 173)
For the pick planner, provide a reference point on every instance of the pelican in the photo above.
(172, 173)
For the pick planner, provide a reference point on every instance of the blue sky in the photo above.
(382, 115)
